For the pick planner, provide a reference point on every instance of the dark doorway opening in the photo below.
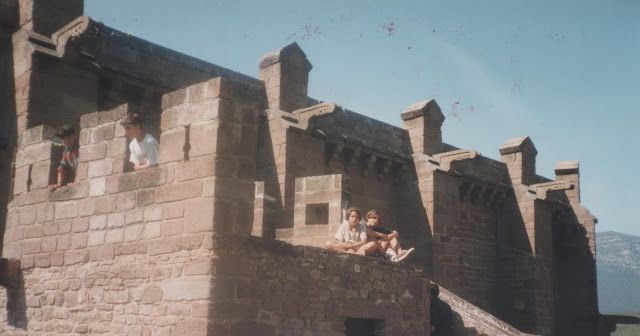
(364, 327)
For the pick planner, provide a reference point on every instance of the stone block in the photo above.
(33, 231)
(152, 230)
(42, 174)
(125, 201)
(151, 294)
(20, 180)
(172, 228)
(84, 137)
(203, 138)
(136, 180)
(100, 168)
(186, 288)
(98, 222)
(173, 142)
(158, 247)
(50, 229)
(178, 192)
(79, 241)
(191, 327)
(42, 260)
(198, 268)
(35, 153)
(65, 242)
(174, 117)
(114, 114)
(49, 244)
(31, 246)
(198, 215)
(27, 215)
(153, 213)
(64, 210)
(97, 186)
(37, 134)
(173, 210)
(90, 120)
(105, 252)
(117, 147)
(103, 132)
(229, 139)
(134, 216)
(174, 98)
(192, 169)
(133, 232)
(116, 297)
(96, 238)
(145, 197)
(115, 220)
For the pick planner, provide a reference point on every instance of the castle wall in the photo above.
(167, 250)
(118, 251)
(271, 288)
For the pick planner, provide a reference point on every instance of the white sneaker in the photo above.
(403, 256)
(391, 255)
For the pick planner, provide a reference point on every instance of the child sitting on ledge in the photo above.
(351, 236)
(386, 240)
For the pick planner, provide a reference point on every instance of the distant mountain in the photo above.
(618, 263)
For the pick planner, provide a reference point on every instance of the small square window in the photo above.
(317, 214)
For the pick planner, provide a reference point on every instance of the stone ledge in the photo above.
(567, 167)
(427, 108)
(516, 145)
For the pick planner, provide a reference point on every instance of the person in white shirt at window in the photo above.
(144, 147)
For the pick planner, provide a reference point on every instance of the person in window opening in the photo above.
(386, 240)
(351, 237)
(144, 147)
(69, 162)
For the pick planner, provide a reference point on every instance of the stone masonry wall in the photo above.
(121, 251)
(267, 288)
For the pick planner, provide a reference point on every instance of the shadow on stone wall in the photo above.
(17, 305)
(8, 139)
(266, 171)
(575, 273)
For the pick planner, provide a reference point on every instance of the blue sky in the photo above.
(566, 74)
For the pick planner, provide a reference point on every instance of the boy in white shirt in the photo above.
(351, 236)
(144, 147)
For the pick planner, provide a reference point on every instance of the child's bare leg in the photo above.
(395, 245)
(335, 246)
(368, 248)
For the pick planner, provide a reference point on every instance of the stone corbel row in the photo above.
(367, 164)
(480, 193)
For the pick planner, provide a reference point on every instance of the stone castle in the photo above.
(223, 237)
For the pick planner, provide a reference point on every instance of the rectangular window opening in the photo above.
(317, 214)
(364, 327)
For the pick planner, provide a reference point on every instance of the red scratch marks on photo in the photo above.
(390, 28)
(458, 109)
